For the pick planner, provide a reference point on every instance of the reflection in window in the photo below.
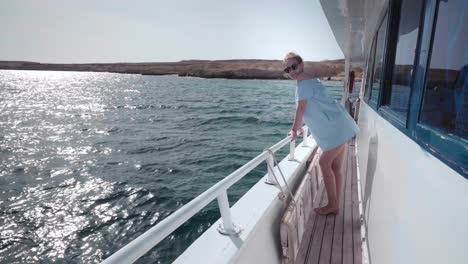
(378, 62)
(445, 104)
(402, 77)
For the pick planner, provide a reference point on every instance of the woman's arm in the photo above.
(298, 119)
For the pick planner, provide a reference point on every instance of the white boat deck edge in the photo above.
(258, 214)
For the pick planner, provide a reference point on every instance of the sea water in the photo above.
(89, 161)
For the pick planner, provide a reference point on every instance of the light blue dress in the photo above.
(328, 121)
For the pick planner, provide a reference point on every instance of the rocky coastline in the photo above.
(229, 69)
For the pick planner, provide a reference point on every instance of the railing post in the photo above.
(305, 141)
(227, 228)
(292, 147)
(270, 167)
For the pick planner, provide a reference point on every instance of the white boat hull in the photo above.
(415, 206)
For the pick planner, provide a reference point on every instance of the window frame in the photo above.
(372, 104)
(370, 71)
(450, 149)
(392, 45)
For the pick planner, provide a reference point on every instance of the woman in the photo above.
(329, 123)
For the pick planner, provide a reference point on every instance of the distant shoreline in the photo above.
(228, 69)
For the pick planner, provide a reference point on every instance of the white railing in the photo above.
(145, 242)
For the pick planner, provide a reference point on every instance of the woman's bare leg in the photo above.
(329, 178)
(337, 167)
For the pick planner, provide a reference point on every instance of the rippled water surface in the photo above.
(89, 161)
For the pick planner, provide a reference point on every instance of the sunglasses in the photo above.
(291, 68)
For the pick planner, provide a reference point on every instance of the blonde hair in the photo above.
(292, 55)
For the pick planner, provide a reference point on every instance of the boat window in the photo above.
(378, 62)
(370, 66)
(403, 68)
(445, 101)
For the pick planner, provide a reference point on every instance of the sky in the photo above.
(108, 31)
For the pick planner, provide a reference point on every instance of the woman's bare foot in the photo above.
(327, 210)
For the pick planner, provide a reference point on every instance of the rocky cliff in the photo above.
(231, 69)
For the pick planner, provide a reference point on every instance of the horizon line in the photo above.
(141, 62)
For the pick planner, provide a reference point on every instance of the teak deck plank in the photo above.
(348, 257)
(327, 241)
(316, 241)
(310, 229)
(356, 215)
(337, 248)
(335, 239)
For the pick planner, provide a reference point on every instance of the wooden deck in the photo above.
(335, 239)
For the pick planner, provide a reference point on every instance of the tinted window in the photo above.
(378, 61)
(403, 69)
(445, 104)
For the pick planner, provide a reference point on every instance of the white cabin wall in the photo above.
(416, 207)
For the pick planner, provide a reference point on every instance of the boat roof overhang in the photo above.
(349, 21)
